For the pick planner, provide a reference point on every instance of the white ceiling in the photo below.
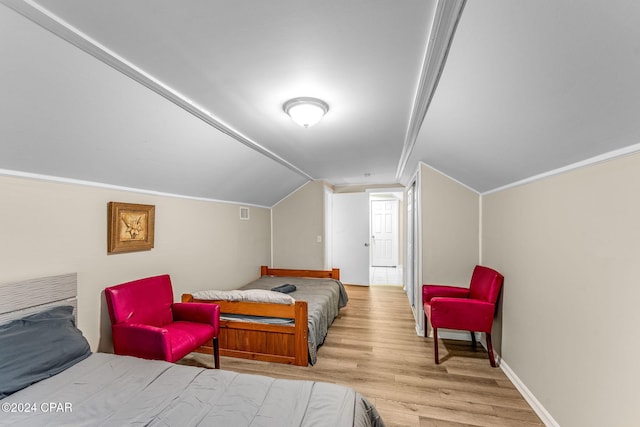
(193, 103)
(532, 86)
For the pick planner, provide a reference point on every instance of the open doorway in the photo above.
(367, 242)
(386, 254)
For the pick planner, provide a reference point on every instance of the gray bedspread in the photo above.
(110, 390)
(325, 298)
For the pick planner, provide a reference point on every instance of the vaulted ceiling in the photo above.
(185, 97)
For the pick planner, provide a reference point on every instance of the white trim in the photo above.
(480, 235)
(535, 404)
(452, 334)
(289, 195)
(445, 22)
(66, 31)
(397, 188)
(540, 410)
(271, 237)
(40, 177)
(449, 177)
(631, 149)
(417, 207)
(327, 241)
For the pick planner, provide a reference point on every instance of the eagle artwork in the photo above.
(130, 227)
(134, 227)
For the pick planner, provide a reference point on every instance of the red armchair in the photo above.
(146, 323)
(465, 309)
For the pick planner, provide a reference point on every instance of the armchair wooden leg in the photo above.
(492, 360)
(216, 353)
(435, 345)
(473, 339)
(426, 322)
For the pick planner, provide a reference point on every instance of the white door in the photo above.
(351, 237)
(384, 233)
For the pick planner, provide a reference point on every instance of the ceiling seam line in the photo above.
(96, 184)
(58, 27)
(446, 20)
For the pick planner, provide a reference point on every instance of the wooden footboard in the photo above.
(259, 341)
(313, 274)
(266, 342)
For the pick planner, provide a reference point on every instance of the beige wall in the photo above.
(297, 221)
(450, 224)
(51, 228)
(569, 248)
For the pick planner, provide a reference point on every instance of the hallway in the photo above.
(386, 276)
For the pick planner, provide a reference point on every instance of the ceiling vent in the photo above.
(244, 214)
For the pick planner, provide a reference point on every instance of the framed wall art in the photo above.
(130, 227)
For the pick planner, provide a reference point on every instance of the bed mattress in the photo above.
(110, 390)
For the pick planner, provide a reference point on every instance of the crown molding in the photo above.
(61, 180)
(462, 184)
(65, 31)
(625, 151)
(447, 16)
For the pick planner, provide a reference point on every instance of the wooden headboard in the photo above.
(19, 299)
(321, 274)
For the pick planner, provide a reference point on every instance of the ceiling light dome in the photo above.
(306, 111)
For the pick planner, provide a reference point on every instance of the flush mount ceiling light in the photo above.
(305, 111)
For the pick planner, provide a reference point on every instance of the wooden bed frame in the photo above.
(259, 341)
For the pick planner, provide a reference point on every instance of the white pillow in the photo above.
(249, 295)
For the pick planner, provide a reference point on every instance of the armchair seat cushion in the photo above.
(461, 314)
(185, 336)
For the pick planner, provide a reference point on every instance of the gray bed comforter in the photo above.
(110, 390)
(325, 298)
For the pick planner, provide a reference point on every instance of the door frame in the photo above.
(414, 253)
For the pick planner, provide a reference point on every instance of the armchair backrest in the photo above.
(145, 301)
(485, 284)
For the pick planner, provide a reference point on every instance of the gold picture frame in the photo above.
(130, 227)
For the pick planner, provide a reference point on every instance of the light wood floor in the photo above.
(373, 347)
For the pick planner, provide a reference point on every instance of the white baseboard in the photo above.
(450, 334)
(535, 404)
(540, 410)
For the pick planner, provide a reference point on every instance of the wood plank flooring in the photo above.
(373, 347)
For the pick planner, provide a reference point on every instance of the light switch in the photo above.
(319, 239)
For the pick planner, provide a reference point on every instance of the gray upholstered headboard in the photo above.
(19, 299)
